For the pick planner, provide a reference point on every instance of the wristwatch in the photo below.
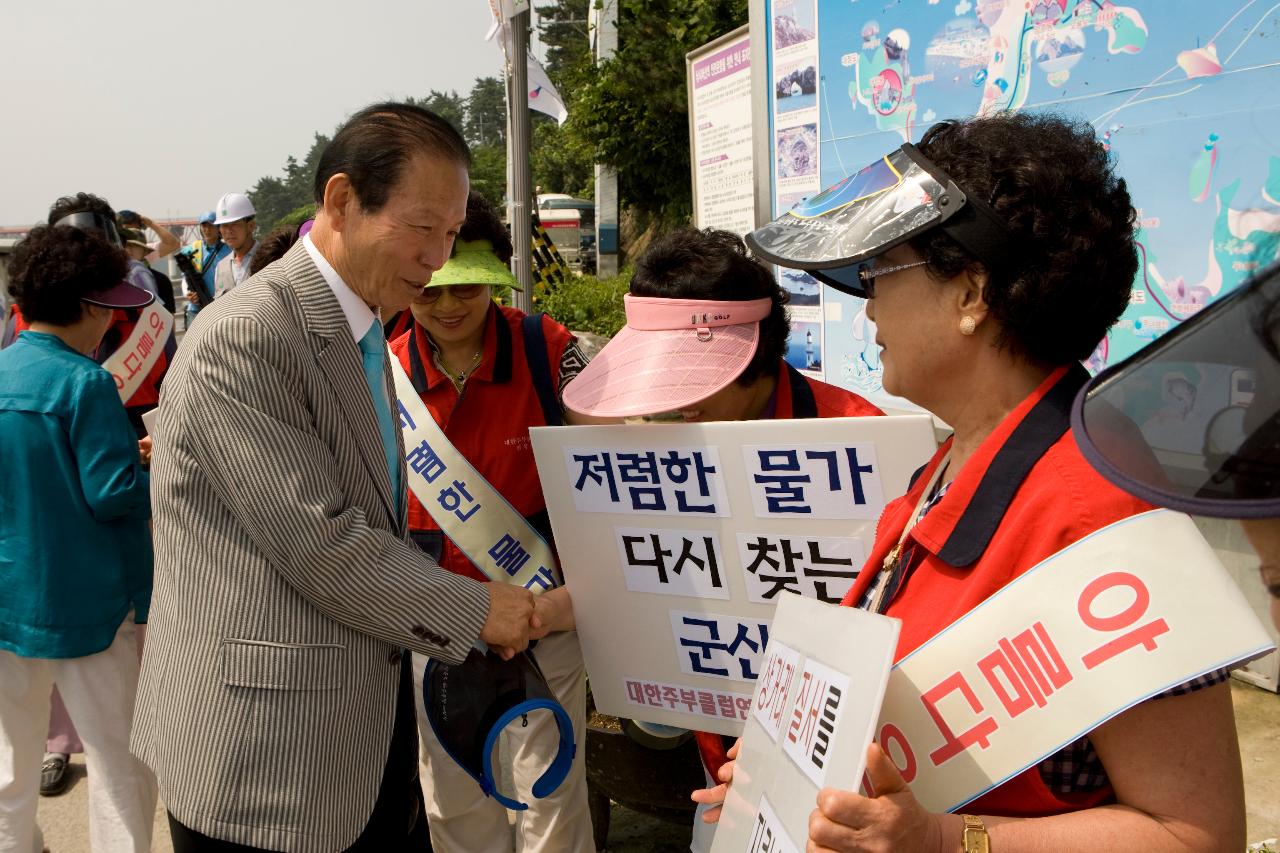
(975, 838)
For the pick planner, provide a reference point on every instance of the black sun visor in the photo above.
(1192, 421)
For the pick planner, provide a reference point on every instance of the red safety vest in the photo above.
(1026, 494)
(489, 423)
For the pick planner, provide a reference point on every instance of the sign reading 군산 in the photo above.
(678, 541)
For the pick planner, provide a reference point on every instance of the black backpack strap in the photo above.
(803, 404)
(535, 355)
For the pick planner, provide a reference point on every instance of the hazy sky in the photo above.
(163, 106)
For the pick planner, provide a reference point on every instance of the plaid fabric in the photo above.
(1076, 768)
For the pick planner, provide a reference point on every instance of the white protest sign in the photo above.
(813, 713)
(677, 541)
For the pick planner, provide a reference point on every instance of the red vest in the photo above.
(798, 396)
(1026, 494)
(489, 423)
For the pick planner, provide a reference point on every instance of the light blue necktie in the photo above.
(372, 346)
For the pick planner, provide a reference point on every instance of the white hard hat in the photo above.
(233, 207)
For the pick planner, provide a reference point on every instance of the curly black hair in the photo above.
(483, 223)
(53, 268)
(1073, 260)
(714, 264)
(273, 247)
(80, 203)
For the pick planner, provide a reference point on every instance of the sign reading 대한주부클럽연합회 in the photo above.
(677, 541)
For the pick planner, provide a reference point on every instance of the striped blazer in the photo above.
(285, 587)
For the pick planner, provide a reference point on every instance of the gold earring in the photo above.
(968, 325)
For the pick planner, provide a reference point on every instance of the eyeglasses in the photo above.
(458, 291)
(869, 273)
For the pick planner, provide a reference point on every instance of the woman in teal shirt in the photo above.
(75, 549)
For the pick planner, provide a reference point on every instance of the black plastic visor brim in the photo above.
(1242, 340)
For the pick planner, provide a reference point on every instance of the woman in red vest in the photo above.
(706, 332)
(994, 257)
(486, 374)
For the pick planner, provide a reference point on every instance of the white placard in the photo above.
(648, 655)
(839, 660)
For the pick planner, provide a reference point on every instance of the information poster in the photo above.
(1184, 93)
(677, 542)
(720, 133)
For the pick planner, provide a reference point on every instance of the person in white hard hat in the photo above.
(234, 215)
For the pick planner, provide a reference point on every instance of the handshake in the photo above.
(516, 617)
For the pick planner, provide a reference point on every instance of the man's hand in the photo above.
(144, 449)
(506, 628)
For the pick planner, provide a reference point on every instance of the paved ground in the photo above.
(65, 823)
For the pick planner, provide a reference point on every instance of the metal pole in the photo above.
(606, 178)
(521, 185)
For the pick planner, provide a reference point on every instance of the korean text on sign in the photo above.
(712, 704)
(728, 647)
(830, 481)
(1024, 671)
(681, 481)
(672, 562)
(140, 358)
(821, 567)
(810, 727)
(768, 834)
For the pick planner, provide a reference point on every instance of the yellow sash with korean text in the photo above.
(471, 512)
(132, 362)
(1139, 607)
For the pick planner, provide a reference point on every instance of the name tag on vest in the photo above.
(132, 362)
(1119, 617)
(471, 512)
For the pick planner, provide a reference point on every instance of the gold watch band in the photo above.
(975, 839)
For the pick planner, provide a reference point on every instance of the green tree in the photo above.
(450, 106)
(274, 198)
(631, 112)
(486, 122)
(562, 27)
(558, 161)
(489, 172)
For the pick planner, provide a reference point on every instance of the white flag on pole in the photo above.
(543, 96)
(511, 8)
